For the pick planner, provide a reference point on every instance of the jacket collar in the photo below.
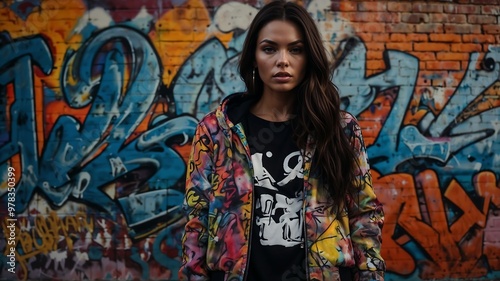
(233, 109)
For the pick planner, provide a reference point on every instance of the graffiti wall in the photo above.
(99, 101)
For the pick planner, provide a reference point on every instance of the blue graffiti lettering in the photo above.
(445, 142)
(131, 170)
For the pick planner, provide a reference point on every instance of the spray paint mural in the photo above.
(98, 102)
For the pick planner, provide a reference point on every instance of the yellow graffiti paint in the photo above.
(47, 233)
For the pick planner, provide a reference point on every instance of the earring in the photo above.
(253, 78)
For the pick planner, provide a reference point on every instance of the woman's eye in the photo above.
(268, 49)
(296, 50)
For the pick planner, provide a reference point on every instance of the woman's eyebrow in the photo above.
(296, 42)
(267, 41)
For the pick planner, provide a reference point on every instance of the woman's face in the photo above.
(280, 57)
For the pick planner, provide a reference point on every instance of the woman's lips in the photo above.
(282, 74)
(282, 77)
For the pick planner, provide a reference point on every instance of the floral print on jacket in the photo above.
(218, 204)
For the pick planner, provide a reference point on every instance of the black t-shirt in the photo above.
(277, 239)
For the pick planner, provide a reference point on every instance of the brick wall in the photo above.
(98, 100)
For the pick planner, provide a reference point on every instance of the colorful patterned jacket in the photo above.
(218, 203)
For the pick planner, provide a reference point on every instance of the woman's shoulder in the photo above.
(217, 117)
(227, 113)
(209, 120)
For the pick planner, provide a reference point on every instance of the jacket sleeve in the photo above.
(196, 202)
(366, 216)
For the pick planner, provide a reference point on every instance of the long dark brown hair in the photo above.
(317, 104)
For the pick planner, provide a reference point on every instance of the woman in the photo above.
(279, 186)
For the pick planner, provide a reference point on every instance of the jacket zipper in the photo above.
(252, 197)
(245, 274)
(306, 261)
(306, 246)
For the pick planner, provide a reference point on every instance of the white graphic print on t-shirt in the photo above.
(280, 214)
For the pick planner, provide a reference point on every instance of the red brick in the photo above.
(427, 7)
(468, 9)
(371, 27)
(431, 47)
(490, 10)
(424, 56)
(416, 37)
(491, 29)
(466, 47)
(450, 8)
(380, 37)
(481, 19)
(400, 28)
(429, 28)
(414, 17)
(485, 2)
(398, 7)
(452, 56)
(376, 46)
(348, 6)
(372, 6)
(407, 47)
(398, 37)
(461, 28)
(439, 18)
(479, 38)
(388, 17)
(443, 65)
(448, 18)
(373, 55)
(445, 37)
(365, 37)
(372, 17)
(355, 16)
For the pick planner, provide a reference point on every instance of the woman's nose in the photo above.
(283, 59)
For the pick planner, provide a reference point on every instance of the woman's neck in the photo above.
(274, 108)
